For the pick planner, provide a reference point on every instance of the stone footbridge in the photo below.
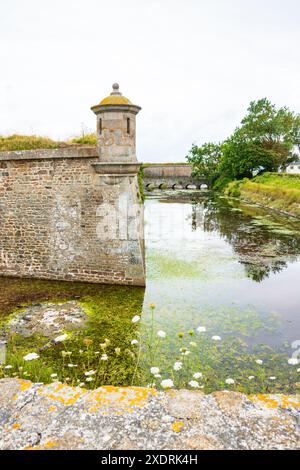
(171, 176)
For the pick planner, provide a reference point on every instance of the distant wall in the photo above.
(170, 174)
(168, 170)
(59, 219)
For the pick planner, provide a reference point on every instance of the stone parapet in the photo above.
(57, 416)
(49, 154)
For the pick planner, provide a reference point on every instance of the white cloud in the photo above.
(193, 66)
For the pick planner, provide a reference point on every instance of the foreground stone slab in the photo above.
(57, 416)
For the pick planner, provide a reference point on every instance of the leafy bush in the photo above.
(221, 182)
(233, 189)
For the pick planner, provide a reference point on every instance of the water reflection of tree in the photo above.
(260, 250)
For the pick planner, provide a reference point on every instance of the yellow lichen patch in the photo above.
(24, 384)
(276, 401)
(52, 408)
(60, 392)
(117, 397)
(16, 426)
(124, 398)
(177, 426)
(48, 445)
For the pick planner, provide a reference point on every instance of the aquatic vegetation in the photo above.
(206, 366)
(164, 266)
(103, 345)
(198, 328)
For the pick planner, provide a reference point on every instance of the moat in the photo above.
(220, 310)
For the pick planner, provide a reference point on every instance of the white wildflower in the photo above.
(31, 356)
(194, 384)
(197, 375)
(89, 379)
(8, 366)
(259, 362)
(201, 329)
(177, 365)
(272, 378)
(216, 338)
(134, 341)
(185, 352)
(90, 372)
(161, 334)
(251, 377)
(293, 361)
(136, 318)
(154, 370)
(61, 338)
(167, 383)
(229, 381)
(104, 357)
(53, 376)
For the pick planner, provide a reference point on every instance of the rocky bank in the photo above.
(58, 416)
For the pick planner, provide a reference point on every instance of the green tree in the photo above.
(243, 159)
(205, 160)
(265, 141)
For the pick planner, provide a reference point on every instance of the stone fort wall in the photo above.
(60, 219)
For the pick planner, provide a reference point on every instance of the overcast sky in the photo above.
(192, 65)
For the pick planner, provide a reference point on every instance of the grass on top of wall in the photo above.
(32, 142)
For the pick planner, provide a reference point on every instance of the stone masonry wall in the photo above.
(168, 171)
(59, 219)
(170, 174)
